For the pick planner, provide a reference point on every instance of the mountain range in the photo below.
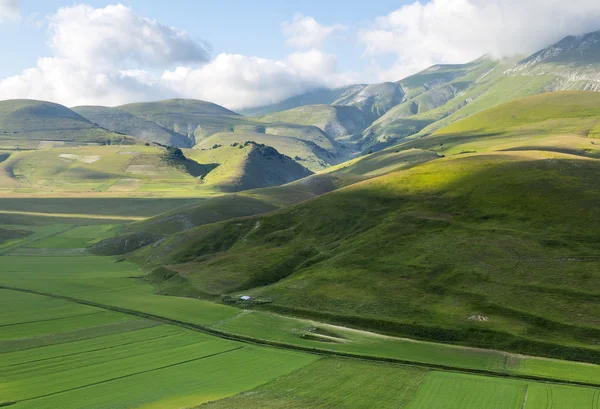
(319, 129)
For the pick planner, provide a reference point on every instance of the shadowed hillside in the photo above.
(419, 252)
(27, 124)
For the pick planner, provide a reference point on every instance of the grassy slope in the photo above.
(307, 154)
(25, 123)
(258, 201)
(340, 122)
(571, 64)
(186, 123)
(129, 124)
(144, 170)
(116, 170)
(403, 251)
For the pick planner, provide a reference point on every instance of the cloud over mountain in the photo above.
(112, 56)
(451, 31)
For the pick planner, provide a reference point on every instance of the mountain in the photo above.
(249, 165)
(126, 123)
(339, 122)
(501, 225)
(318, 96)
(178, 122)
(374, 100)
(440, 95)
(28, 123)
(571, 64)
(190, 123)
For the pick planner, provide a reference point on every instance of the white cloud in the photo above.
(116, 35)
(239, 81)
(305, 32)
(111, 56)
(9, 10)
(453, 31)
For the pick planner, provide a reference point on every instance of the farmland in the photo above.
(55, 353)
(110, 352)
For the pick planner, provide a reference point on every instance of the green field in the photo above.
(56, 353)
(107, 358)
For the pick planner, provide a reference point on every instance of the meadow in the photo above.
(114, 343)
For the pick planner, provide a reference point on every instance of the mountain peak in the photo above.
(571, 50)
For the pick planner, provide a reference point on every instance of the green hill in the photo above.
(470, 248)
(27, 124)
(306, 153)
(145, 170)
(339, 122)
(258, 201)
(566, 121)
(571, 64)
(190, 123)
(421, 104)
(126, 123)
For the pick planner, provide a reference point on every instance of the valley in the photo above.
(425, 243)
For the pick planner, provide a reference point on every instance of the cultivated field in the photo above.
(99, 347)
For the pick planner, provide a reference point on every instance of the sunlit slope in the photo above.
(566, 121)
(28, 123)
(571, 64)
(140, 170)
(306, 153)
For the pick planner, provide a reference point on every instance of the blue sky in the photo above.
(246, 53)
(252, 28)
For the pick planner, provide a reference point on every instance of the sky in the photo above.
(242, 54)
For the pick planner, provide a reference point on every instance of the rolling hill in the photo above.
(27, 124)
(145, 170)
(425, 252)
(191, 123)
(339, 122)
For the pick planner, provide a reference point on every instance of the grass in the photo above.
(117, 360)
(305, 153)
(541, 396)
(258, 201)
(331, 383)
(453, 391)
(26, 123)
(56, 353)
(338, 122)
(109, 170)
(181, 385)
(419, 284)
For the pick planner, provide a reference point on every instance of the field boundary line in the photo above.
(87, 351)
(74, 215)
(525, 397)
(133, 374)
(50, 319)
(316, 351)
